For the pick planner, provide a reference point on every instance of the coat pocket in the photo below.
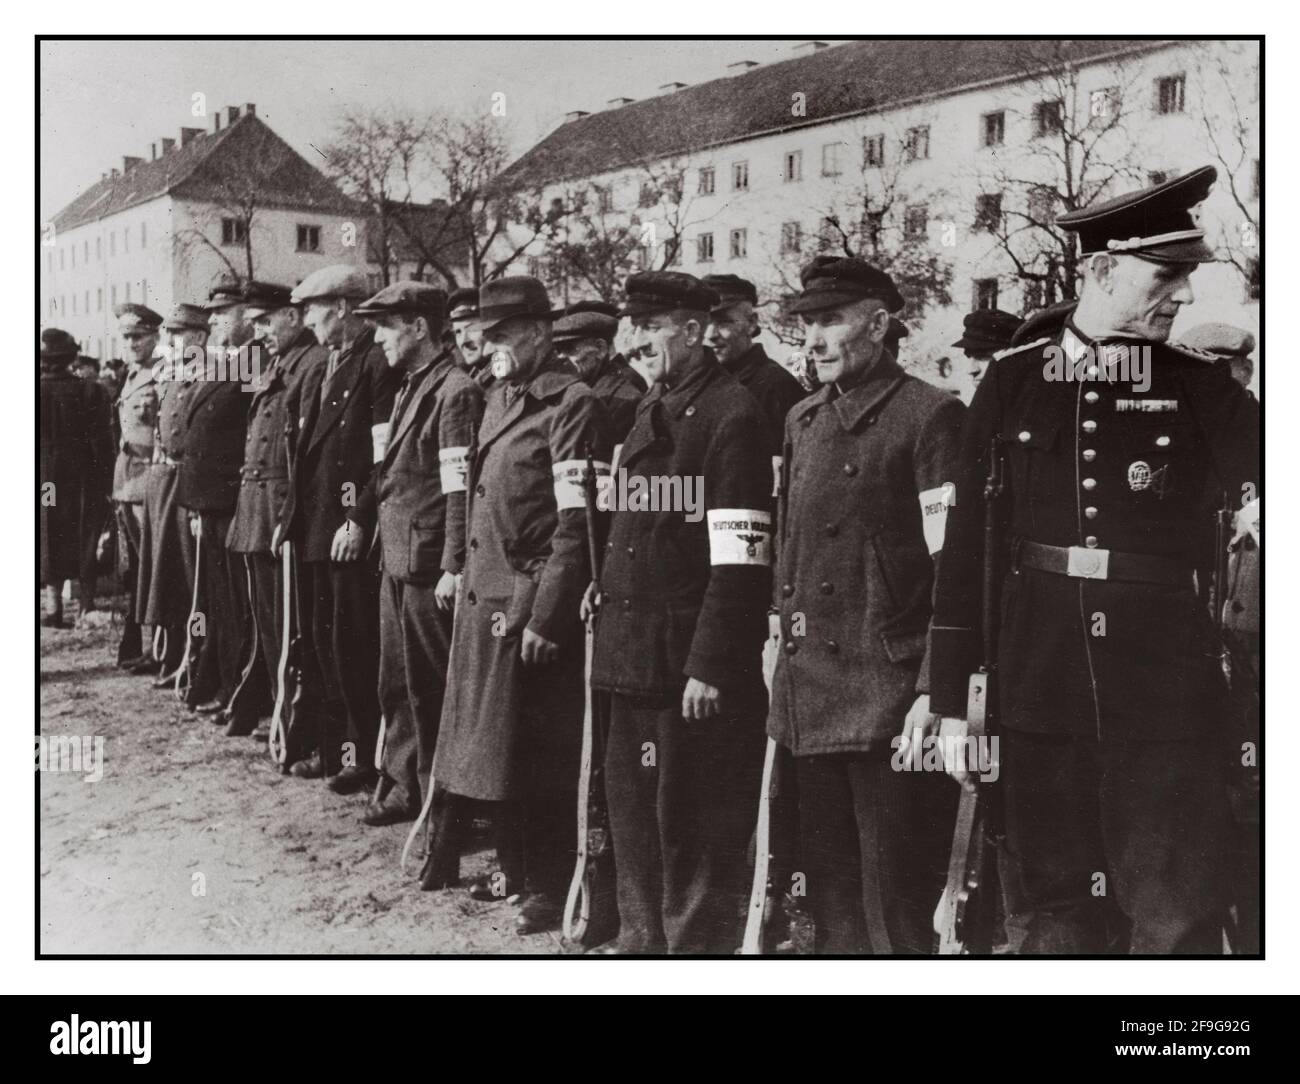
(520, 611)
(903, 647)
(425, 558)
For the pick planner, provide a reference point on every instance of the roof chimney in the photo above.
(250, 109)
(129, 162)
(807, 48)
(168, 145)
(190, 134)
(153, 152)
(614, 103)
(216, 121)
(575, 114)
(741, 66)
(113, 171)
(672, 88)
(232, 114)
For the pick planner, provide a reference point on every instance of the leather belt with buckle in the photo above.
(1082, 562)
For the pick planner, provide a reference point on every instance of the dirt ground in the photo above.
(287, 866)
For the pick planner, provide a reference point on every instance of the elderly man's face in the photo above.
(324, 320)
(731, 331)
(230, 327)
(516, 346)
(469, 340)
(400, 338)
(845, 341)
(138, 344)
(278, 329)
(585, 355)
(1141, 297)
(660, 343)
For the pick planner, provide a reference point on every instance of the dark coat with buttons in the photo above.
(773, 387)
(164, 590)
(216, 422)
(861, 525)
(685, 598)
(619, 387)
(264, 477)
(137, 409)
(420, 485)
(1098, 465)
(337, 446)
(76, 456)
(526, 566)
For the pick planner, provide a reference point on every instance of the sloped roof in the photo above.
(205, 168)
(855, 78)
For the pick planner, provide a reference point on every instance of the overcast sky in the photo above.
(101, 100)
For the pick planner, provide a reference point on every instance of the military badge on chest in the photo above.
(1143, 478)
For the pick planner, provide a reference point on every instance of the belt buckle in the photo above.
(1088, 564)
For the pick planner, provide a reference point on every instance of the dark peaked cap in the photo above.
(264, 297)
(463, 303)
(731, 288)
(515, 295)
(57, 343)
(841, 280)
(987, 330)
(650, 292)
(1153, 224)
(407, 299)
(138, 315)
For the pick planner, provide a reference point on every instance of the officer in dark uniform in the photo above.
(419, 492)
(985, 332)
(342, 411)
(1044, 323)
(263, 487)
(869, 461)
(137, 409)
(166, 585)
(680, 631)
(462, 307)
(216, 420)
(511, 726)
(584, 336)
(1112, 697)
(76, 461)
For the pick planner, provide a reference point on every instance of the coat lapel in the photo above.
(428, 386)
(346, 378)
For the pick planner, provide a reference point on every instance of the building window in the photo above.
(704, 248)
(1170, 92)
(648, 196)
(72, 249)
(740, 176)
(791, 237)
(604, 199)
(232, 232)
(85, 252)
(831, 159)
(74, 304)
(126, 240)
(87, 308)
(51, 261)
(916, 221)
(873, 151)
(99, 299)
(993, 129)
(739, 244)
(144, 235)
(917, 144)
(99, 248)
(128, 291)
(1103, 105)
(112, 296)
(793, 166)
(1048, 117)
(1042, 205)
(988, 212)
(706, 181)
(308, 238)
(985, 294)
(61, 261)
(54, 307)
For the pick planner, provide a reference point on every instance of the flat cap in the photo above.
(131, 315)
(1222, 339)
(264, 297)
(730, 289)
(185, 317)
(515, 295)
(463, 303)
(987, 331)
(649, 292)
(602, 307)
(840, 280)
(585, 325)
(223, 295)
(57, 343)
(1154, 223)
(407, 298)
(1043, 323)
(327, 284)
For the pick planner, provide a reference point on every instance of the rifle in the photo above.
(277, 743)
(965, 916)
(589, 907)
(1219, 594)
(186, 669)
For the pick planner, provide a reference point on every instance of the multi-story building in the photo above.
(234, 202)
(945, 161)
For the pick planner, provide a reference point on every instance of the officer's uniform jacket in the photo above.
(339, 442)
(264, 477)
(216, 420)
(137, 408)
(688, 599)
(526, 565)
(1098, 465)
(620, 389)
(76, 448)
(867, 479)
(421, 484)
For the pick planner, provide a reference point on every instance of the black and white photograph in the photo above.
(651, 497)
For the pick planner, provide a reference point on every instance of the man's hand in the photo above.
(444, 595)
(701, 701)
(590, 602)
(952, 740)
(534, 649)
(277, 540)
(194, 526)
(348, 542)
(920, 723)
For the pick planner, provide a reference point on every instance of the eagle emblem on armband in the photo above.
(751, 543)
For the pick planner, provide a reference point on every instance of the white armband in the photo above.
(453, 466)
(379, 440)
(934, 514)
(740, 536)
(568, 476)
